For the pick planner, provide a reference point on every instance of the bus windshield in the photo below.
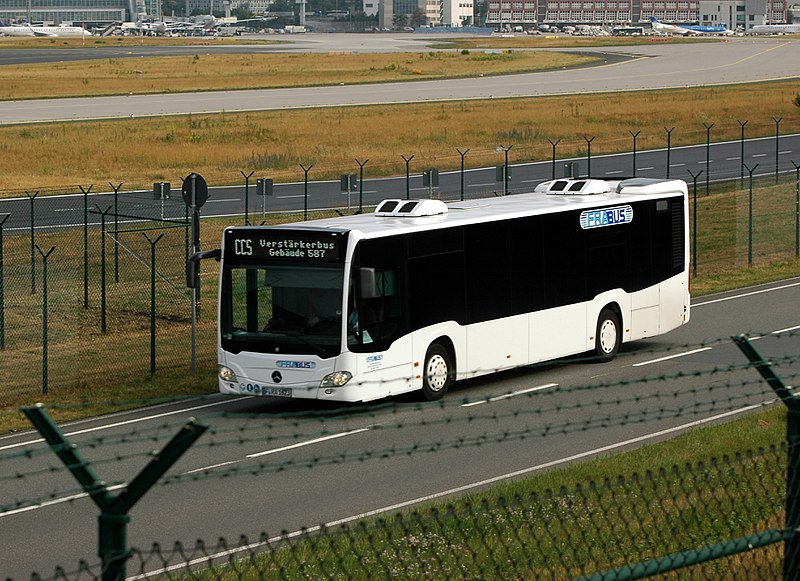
(282, 309)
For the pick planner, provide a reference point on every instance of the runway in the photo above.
(646, 67)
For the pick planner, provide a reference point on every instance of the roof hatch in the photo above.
(411, 208)
(574, 187)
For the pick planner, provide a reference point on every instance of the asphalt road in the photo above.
(653, 66)
(724, 163)
(277, 465)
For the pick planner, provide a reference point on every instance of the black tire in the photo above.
(608, 336)
(438, 373)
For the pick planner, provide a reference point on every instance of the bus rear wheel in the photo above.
(608, 335)
(437, 373)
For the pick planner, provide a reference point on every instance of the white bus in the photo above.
(420, 293)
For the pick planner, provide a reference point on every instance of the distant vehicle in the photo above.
(519, 29)
(688, 29)
(293, 29)
(414, 296)
(408, 28)
(28, 30)
(775, 29)
(628, 31)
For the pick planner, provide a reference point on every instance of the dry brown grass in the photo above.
(202, 71)
(138, 152)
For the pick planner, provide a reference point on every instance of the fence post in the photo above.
(103, 267)
(791, 556)
(247, 177)
(694, 221)
(360, 184)
(2, 296)
(153, 301)
(116, 230)
(113, 519)
(708, 153)
(86, 245)
(33, 245)
(553, 164)
(669, 146)
(588, 156)
(634, 135)
(408, 176)
(777, 144)
(44, 316)
(741, 154)
(462, 154)
(796, 210)
(305, 190)
(750, 217)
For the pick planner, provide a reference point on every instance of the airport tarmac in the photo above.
(643, 67)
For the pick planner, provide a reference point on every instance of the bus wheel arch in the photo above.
(608, 333)
(439, 369)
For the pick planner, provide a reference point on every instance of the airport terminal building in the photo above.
(500, 14)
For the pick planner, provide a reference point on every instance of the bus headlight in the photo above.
(226, 374)
(336, 379)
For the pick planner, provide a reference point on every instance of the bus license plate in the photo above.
(277, 391)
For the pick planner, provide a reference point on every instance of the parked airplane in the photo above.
(687, 29)
(28, 30)
(775, 29)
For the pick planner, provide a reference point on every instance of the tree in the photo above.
(399, 21)
(418, 18)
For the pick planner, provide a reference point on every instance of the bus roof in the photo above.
(549, 197)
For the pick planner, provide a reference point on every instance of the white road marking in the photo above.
(509, 395)
(747, 294)
(125, 423)
(668, 357)
(308, 443)
(787, 329)
(55, 501)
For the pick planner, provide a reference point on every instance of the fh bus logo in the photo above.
(606, 217)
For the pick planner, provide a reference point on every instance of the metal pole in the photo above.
(553, 165)
(634, 135)
(669, 146)
(750, 218)
(361, 185)
(741, 154)
(588, 156)
(505, 168)
(247, 195)
(33, 245)
(113, 518)
(408, 177)
(2, 298)
(305, 190)
(791, 551)
(708, 153)
(694, 222)
(86, 246)
(796, 210)
(777, 144)
(153, 301)
(462, 154)
(116, 229)
(44, 316)
(103, 267)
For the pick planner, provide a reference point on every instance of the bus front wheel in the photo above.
(608, 335)
(437, 374)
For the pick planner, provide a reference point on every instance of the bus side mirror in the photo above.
(369, 283)
(193, 265)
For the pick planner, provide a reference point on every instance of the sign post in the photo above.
(195, 194)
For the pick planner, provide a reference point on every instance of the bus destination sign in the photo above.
(285, 245)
